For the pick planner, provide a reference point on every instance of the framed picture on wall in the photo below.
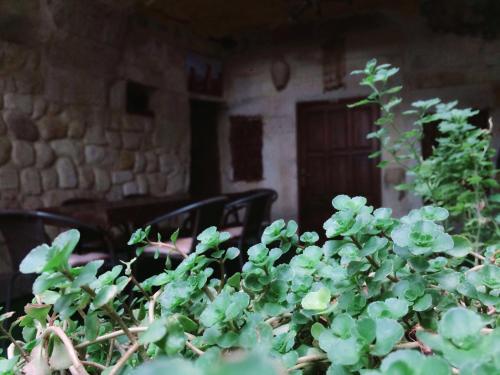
(204, 74)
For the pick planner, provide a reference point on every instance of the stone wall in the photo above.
(432, 65)
(64, 130)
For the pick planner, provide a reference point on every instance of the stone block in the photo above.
(142, 184)
(32, 203)
(21, 126)
(95, 135)
(9, 178)
(120, 177)
(19, 102)
(66, 173)
(5, 149)
(70, 148)
(130, 188)
(51, 127)
(131, 141)
(3, 126)
(114, 139)
(85, 177)
(44, 155)
(30, 182)
(166, 163)
(49, 179)
(126, 160)
(39, 108)
(23, 154)
(102, 180)
(94, 154)
(151, 162)
(76, 129)
(139, 162)
(157, 183)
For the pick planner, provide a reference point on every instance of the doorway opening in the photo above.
(332, 151)
(205, 172)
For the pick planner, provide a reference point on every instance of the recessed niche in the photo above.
(138, 99)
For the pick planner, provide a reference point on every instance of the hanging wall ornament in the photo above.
(280, 73)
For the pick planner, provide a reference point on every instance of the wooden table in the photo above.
(133, 212)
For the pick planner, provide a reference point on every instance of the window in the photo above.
(138, 99)
(246, 147)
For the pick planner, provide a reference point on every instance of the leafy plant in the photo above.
(380, 296)
(459, 174)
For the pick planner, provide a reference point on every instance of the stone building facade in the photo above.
(64, 128)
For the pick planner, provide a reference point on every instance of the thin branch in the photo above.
(109, 336)
(14, 342)
(475, 268)
(78, 366)
(408, 345)
(151, 307)
(478, 256)
(307, 360)
(117, 367)
(194, 348)
(94, 364)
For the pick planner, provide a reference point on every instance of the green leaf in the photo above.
(174, 236)
(91, 326)
(343, 326)
(155, 332)
(460, 325)
(388, 334)
(423, 303)
(316, 330)
(105, 295)
(461, 246)
(38, 311)
(340, 351)
(36, 260)
(232, 253)
(318, 300)
(87, 274)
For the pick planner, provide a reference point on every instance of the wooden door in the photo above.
(333, 158)
(205, 175)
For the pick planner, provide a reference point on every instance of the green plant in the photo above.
(459, 174)
(381, 296)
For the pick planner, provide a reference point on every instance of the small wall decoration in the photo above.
(204, 75)
(246, 147)
(280, 73)
(334, 69)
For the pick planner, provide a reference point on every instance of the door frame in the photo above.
(299, 107)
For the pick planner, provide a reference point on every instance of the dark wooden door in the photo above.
(205, 175)
(333, 158)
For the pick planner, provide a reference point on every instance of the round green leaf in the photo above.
(319, 300)
(105, 295)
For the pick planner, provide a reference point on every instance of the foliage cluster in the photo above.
(379, 296)
(459, 175)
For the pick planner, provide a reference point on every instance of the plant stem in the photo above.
(108, 308)
(14, 342)
(194, 348)
(117, 367)
(307, 360)
(138, 285)
(94, 364)
(68, 345)
(152, 304)
(109, 336)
